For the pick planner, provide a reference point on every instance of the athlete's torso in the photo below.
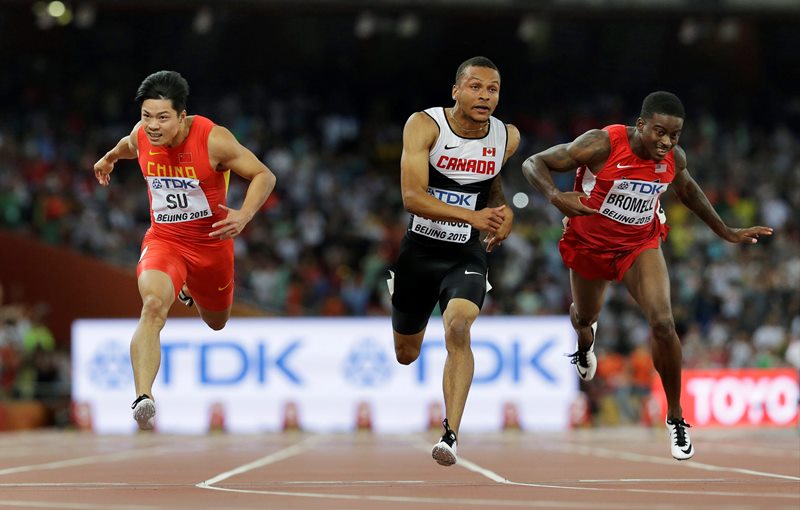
(183, 188)
(460, 173)
(626, 191)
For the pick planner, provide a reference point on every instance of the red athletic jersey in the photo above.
(626, 192)
(184, 190)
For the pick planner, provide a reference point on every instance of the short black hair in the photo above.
(662, 102)
(474, 61)
(164, 85)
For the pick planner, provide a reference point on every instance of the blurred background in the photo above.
(320, 91)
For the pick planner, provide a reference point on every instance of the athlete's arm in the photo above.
(419, 135)
(591, 149)
(692, 196)
(126, 148)
(497, 197)
(224, 151)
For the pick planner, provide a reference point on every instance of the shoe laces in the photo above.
(449, 436)
(139, 399)
(579, 358)
(679, 426)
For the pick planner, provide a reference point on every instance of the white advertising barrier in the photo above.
(326, 369)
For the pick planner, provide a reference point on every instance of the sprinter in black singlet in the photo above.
(450, 182)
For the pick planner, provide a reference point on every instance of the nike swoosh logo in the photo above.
(447, 147)
(226, 286)
(155, 153)
(472, 272)
(688, 450)
(582, 373)
(620, 165)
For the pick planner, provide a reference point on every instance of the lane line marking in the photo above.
(91, 459)
(272, 458)
(75, 506)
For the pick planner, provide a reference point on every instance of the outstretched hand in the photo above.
(231, 226)
(747, 235)
(102, 171)
(571, 204)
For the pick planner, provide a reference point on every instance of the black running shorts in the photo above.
(424, 275)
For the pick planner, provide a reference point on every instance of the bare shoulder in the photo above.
(591, 148)
(680, 158)
(593, 139)
(420, 130)
(133, 139)
(513, 140)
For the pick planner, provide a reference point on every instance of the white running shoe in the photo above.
(585, 361)
(144, 411)
(444, 452)
(679, 441)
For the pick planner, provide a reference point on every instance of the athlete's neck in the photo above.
(467, 127)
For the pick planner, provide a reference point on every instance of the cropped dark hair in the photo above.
(474, 61)
(664, 103)
(164, 85)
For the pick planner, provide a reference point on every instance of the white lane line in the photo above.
(655, 480)
(92, 459)
(637, 457)
(272, 458)
(74, 506)
(491, 475)
(486, 503)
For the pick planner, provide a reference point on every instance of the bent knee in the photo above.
(216, 324)
(663, 328)
(154, 309)
(406, 355)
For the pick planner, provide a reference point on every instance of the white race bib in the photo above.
(632, 202)
(450, 231)
(177, 199)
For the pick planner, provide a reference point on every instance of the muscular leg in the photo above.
(648, 282)
(216, 320)
(155, 288)
(587, 300)
(407, 347)
(460, 364)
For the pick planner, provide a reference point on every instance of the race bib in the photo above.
(632, 202)
(177, 199)
(450, 231)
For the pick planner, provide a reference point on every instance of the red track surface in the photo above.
(595, 469)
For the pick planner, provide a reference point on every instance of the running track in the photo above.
(616, 469)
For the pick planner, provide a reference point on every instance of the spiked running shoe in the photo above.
(679, 441)
(185, 298)
(444, 452)
(144, 410)
(585, 361)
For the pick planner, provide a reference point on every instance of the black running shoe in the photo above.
(444, 452)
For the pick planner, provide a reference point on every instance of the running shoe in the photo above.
(185, 298)
(679, 441)
(585, 361)
(144, 411)
(444, 452)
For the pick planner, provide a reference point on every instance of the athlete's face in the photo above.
(659, 134)
(160, 120)
(477, 93)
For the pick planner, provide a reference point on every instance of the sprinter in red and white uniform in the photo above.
(614, 227)
(186, 162)
(450, 180)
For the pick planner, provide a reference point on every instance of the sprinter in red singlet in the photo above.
(614, 227)
(188, 251)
